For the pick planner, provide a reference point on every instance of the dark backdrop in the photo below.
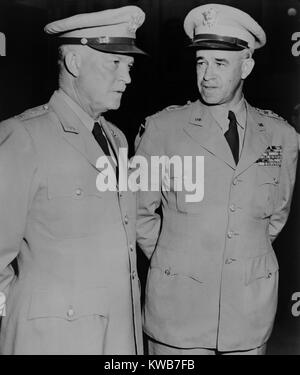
(28, 77)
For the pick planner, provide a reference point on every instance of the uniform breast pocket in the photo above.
(265, 192)
(74, 205)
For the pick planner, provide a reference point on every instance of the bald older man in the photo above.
(77, 291)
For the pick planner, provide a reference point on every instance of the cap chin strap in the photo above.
(205, 39)
(97, 41)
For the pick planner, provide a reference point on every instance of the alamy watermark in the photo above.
(296, 44)
(296, 304)
(156, 173)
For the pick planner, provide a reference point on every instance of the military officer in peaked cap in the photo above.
(212, 282)
(77, 291)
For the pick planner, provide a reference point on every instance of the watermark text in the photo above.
(156, 173)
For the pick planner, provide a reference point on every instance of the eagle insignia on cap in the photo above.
(103, 39)
(209, 17)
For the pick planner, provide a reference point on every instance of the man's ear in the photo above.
(247, 67)
(72, 63)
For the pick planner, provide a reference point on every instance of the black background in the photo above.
(28, 76)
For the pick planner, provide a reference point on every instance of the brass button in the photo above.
(229, 260)
(167, 272)
(70, 312)
(78, 192)
(235, 181)
(133, 274)
(126, 219)
(131, 247)
(232, 208)
(45, 107)
(230, 234)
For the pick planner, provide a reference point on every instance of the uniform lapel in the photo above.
(255, 142)
(116, 144)
(203, 129)
(74, 131)
(111, 136)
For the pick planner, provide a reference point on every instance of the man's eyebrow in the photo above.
(217, 59)
(223, 60)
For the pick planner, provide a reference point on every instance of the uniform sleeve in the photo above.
(148, 219)
(17, 168)
(286, 183)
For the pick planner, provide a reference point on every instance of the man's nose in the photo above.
(209, 72)
(125, 75)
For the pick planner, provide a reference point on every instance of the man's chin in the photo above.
(114, 105)
(209, 100)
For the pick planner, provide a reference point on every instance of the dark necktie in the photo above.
(100, 138)
(232, 136)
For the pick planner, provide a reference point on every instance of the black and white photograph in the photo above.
(149, 187)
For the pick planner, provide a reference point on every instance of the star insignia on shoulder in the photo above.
(269, 113)
(33, 112)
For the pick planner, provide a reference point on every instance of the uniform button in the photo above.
(229, 260)
(167, 272)
(131, 247)
(120, 194)
(232, 208)
(230, 234)
(78, 192)
(70, 312)
(276, 181)
(235, 181)
(133, 274)
(126, 219)
(45, 106)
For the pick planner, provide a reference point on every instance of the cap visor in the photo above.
(220, 45)
(122, 49)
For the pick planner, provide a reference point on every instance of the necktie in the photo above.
(100, 138)
(232, 136)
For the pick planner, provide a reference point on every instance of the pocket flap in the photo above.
(267, 175)
(71, 186)
(53, 303)
(181, 264)
(260, 267)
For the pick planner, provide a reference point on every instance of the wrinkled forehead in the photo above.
(219, 54)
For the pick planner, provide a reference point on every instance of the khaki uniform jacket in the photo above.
(213, 277)
(77, 291)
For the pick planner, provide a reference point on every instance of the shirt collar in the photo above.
(220, 114)
(85, 118)
(240, 112)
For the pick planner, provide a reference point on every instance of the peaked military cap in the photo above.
(111, 30)
(217, 26)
